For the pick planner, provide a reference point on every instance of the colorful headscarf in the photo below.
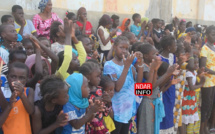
(123, 27)
(75, 94)
(42, 5)
(144, 19)
(31, 60)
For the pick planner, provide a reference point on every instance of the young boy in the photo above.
(18, 121)
(22, 26)
(8, 19)
(135, 28)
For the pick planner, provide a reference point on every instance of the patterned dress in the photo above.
(189, 105)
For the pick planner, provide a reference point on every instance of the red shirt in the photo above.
(88, 29)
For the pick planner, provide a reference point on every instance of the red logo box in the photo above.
(143, 89)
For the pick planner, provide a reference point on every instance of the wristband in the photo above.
(140, 66)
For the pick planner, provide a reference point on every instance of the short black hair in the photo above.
(114, 17)
(155, 20)
(104, 20)
(127, 35)
(70, 15)
(163, 68)
(44, 38)
(105, 80)
(88, 67)
(54, 29)
(93, 60)
(169, 27)
(2, 29)
(5, 18)
(49, 87)
(180, 49)
(188, 23)
(134, 16)
(26, 40)
(13, 53)
(209, 29)
(15, 7)
(18, 65)
(166, 41)
(120, 39)
(135, 46)
(145, 48)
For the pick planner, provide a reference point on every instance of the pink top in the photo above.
(43, 27)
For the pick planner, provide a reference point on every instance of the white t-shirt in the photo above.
(28, 28)
(193, 75)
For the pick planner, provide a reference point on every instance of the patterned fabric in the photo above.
(210, 64)
(195, 127)
(189, 105)
(123, 102)
(179, 93)
(43, 26)
(42, 5)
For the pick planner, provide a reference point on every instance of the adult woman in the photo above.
(42, 21)
(103, 34)
(85, 26)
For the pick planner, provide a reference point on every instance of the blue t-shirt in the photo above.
(74, 114)
(135, 29)
(123, 102)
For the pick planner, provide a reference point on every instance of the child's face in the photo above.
(95, 77)
(173, 47)
(83, 14)
(121, 49)
(63, 96)
(19, 14)
(193, 36)
(87, 45)
(211, 36)
(10, 21)
(109, 26)
(152, 55)
(85, 88)
(29, 48)
(47, 44)
(17, 74)
(74, 19)
(116, 23)
(196, 62)
(133, 39)
(127, 23)
(45, 68)
(10, 34)
(183, 26)
(138, 19)
(74, 64)
(159, 24)
(19, 58)
(110, 89)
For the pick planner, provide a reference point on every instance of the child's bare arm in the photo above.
(28, 101)
(193, 87)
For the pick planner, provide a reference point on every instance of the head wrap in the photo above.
(190, 29)
(123, 27)
(42, 5)
(75, 94)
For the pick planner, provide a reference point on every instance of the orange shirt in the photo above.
(18, 121)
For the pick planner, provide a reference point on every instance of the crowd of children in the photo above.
(61, 77)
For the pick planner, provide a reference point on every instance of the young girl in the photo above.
(108, 87)
(135, 28)
(189, 105)
(168, 48)
(28, 45)
(48, 114)
(92, 72)
(157, 33)
(85, 26)
(78, 103)
(207, 61)
(123, 74)
(125, 25)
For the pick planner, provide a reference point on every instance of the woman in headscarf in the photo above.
(125, 25)
(84, 25)
(42, 21)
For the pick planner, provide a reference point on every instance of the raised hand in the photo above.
(172, 68)
(128, 61)
(18, 88)
(156, 63)
(139, 56)
(96, 106)
(175, 81)
(35, 41)
(62, 119)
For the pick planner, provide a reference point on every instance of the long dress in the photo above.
(167, 125)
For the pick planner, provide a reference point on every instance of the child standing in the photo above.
(18, 120)
(135, 28)
(23, 27)
(123, 73)
(189, 105)
(48, 114)
(157, 33)
(78, 103)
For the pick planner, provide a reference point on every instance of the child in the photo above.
(8, 36)
(47, 44)
(115, 25)
(18, 120)
(72, 16)
(87, 45)
(135, 28)
(78, 103)
(131, 37)
(125, 25)
(207, 55)
(28, 45)
(189, 105)
(108, 87)
(48, 114)
(168, 48)
(157, 33)
(17, 56)
(181, 29)
(85, 26)
(8, 19)
(92, 72)
(122, 72)
(23, 27)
